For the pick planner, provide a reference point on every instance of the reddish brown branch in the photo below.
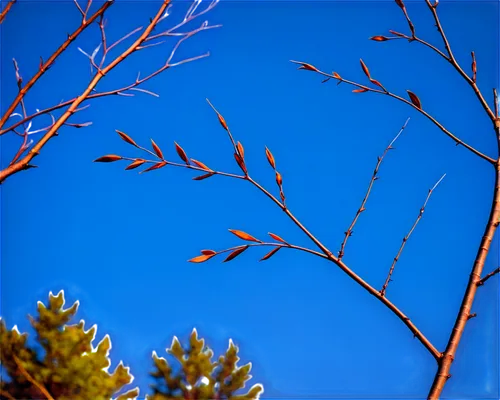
(31, 380)
(488, 276)
(362, 208)
(405, 239)
(5, 11)
(47, 64)
(365, 88)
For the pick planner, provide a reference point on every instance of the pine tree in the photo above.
(197, 377)
(68, 367)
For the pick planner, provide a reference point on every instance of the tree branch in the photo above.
(363, 88)
(405, 239)
(488, 276)
(30, 379)
(47, 64)
(5, 11)
(362, 208)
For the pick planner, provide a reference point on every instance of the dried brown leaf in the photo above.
(240, 162)
(336, 76)
(108, 158)
(201, 177)
(126, 138)
(157, 149)
(365, 68)
(208, 252)
(244, 236)
(414, 99)
(271, 253)
(362, 90)
(375, 82)
(308, 67)
(236, 253)
(202, 258)
(222, 122)
(200, 164)
(241, 150)
(137, 163)
(181, 153)
(270, 158)
(158, 165)
(276, 237)
(379, 38)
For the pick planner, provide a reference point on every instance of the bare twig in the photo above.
(47, 64)
(405, 239)
(7, 8)
(362, 208)
(364, 88)
(488, 276)
(30, 379)
(6, 394)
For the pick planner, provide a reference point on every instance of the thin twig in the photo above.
(47, 64)
(30, 379)
(431, 118)
(7, 8)
(6, 394)
(405, 239)
(362, 208)
(488, 276)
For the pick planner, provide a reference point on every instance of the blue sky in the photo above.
(119, 242)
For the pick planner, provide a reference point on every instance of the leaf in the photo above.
(244, 236)
(240, 162)
(241, 150)
(271, 253)
(308, 67)
(362, 90)
(200, 164)
(270, 158)
(400, 4)
(415, 100)
(208, 252)
(201, 177)
(137, 163)
(236, 253)
(126, 138)
(222, 121)
(276, 237)
(379, 38)
(155, 166)
(375, 82)
(108, 158)
(181, 153)
(365, 68)
(157, 149)
(202, 258)
(279, 179)
(336, 76)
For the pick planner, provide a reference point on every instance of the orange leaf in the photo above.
(270, 158)
(414, 99)
(271, 253)
(336, 76)
(201, 177)
(108, 158)
(181, 153)
(375, 82)
(200, 164)
(365, 68)
(157, 149)
(155, 166)
(137, 163)
(308, 67)
(222, 121)
(240, 162)
(279, 179)
(379, 38)
(236, 253)
(202, 258)
(208, 252)
(241, 150)
(276, 237)
(127, 138)
(362, 90)
(244, 236)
